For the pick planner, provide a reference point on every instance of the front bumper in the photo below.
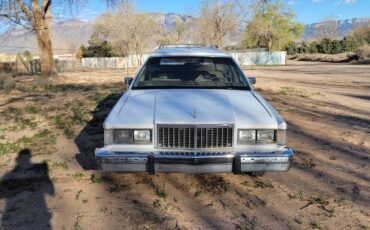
(194, 162)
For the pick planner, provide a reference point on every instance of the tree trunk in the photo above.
(45, 53)
(42, 27)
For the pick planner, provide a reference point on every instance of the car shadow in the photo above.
(92, 135)
(24, 189)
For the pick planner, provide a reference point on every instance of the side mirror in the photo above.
(252, 80)
(128, 81)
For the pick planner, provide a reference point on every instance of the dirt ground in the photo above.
(48, 179)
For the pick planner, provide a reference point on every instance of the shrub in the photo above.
(363, 52)
(325, 46)
(97, 48)
(361, 34)
(303, 48)
(313, 48)
(291, 48)
(348, 44)
(7, 81)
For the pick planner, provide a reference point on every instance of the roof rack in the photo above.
(187, 46)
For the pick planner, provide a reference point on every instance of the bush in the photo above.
(363, 52)
(97, 48)
(313, 48)
(291, 48)
(361, 34)
(349, 44)
(7, 81)
(303, 48)
(325, 46)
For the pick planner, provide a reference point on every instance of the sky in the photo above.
(307, 11)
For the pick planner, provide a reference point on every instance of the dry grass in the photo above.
(336, 58)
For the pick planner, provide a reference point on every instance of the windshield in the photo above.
(190, 72)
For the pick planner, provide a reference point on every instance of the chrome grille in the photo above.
(194, 137)
(195, 153)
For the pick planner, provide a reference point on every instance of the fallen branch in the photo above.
(307, 205)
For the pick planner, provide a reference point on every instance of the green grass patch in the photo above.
(78, 194)
(80, 114)
(296, 196)
(95, 179)
(40, 143)
(32, 109)
(161, 192)
(75, 113)
(62, 165)
(21, 123)
(63, 122)
(319, 200)
(113, 189)
(8, 148)
(14, 111)
(78, 176)
(291, 91)
(316, 225)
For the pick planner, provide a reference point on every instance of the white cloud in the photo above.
(292, 2)
(342, 2)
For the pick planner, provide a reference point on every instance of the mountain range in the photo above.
(69, 35)
(343, 26)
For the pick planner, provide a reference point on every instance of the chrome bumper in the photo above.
(193, 162)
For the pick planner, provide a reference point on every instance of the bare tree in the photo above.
(37, 16)
(175, 34)
(327, 28)
(217, 20)
(361, 33)
(130, 32)
(180, 29)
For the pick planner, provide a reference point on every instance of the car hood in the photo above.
(145, 108)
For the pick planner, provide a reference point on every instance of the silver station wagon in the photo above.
(191, 109)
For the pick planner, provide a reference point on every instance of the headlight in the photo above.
(252, 136)
(246, 136)
(123, 136)
(142, 135)
(265, 135)
(131, 136)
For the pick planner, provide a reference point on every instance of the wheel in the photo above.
(256, 174)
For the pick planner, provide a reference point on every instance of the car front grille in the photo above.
(191, 137)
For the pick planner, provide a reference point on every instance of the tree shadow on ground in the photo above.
(92, 135)
(24, 189)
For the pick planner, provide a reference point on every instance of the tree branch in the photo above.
(25, 10)
(14, 19)
(45, 6)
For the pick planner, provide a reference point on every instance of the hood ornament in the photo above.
(194, 114)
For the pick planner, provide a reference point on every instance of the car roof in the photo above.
(189, 50)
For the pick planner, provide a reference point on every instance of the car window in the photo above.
(190, 72)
